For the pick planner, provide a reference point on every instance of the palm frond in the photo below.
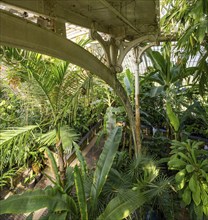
(161, 185)
(51, 82)
(14, 144)
(68, 137)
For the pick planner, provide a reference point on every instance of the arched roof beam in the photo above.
(60, 14)
(21, 33)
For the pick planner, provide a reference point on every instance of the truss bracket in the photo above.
(138, 51)
(116, 49)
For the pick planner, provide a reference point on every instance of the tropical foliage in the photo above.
(191, 180)
(47, 105)
(91, 192)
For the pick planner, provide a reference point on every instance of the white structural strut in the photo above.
(116, 49)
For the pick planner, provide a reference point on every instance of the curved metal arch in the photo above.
(18, 32)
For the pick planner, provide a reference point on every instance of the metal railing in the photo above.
(84, 141)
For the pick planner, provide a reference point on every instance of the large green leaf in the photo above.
(158, 61)
(54, 166)
(104, 164)
(193, 183)
(180, 176)
(80, 193)
(196, 195)
(123, 205)
(81, 159)
(186, 196)
(34, 200)
(109, 120)
(172, 117)
(128, 78)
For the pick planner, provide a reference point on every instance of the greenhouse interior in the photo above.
(104, 109)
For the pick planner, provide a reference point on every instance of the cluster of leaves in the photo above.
(192, 178)
(14, 145)
(12, 109)
(50, 86)
(85, 195)
(190, 19)
(172, 87)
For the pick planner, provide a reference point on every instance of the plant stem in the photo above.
(137, 112)
(59, 147)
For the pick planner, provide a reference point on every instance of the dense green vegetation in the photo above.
(48, 105)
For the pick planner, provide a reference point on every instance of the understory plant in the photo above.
(60, 199)
(84, 194)
(51, 85)
(191, 162)
(16, 148)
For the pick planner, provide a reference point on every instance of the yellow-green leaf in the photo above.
(181, 184)
(190, 168)
(180, 176)
(197, 195)
(186, 196)
(204, 197)
(205, 210)
(172, 117)
(193, 183)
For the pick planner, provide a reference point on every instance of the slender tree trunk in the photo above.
(110, 78)
(121, 93)
(59, 148)
(137, 112)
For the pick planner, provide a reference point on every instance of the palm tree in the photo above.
(54, 84)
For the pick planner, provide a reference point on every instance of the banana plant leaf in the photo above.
(80, 193)
(172, 117)
(104, 164)
(123, 205)
(31, 201)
